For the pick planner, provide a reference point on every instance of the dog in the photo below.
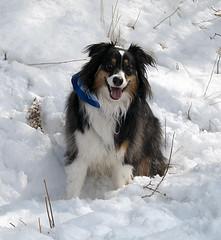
(110, 128)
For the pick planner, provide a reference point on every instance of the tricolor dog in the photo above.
(110, 128)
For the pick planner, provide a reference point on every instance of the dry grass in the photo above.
(48, 203)
(168, 17)
(211, 75)
(113, 33)
(48, 209)
(154, 190)
(34, 117)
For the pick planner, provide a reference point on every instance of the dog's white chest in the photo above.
(96, 145)
(103, 126)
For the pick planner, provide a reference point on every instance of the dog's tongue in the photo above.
(116, 93)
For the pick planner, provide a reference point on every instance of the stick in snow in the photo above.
(51, 220)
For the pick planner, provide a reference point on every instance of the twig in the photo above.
(170, 156)
(216, 34)
(165, 138)
(211, 123)
(218, 63)
(179, 149)
(211, 104)
(12, 224)
(188, 113)
(115, 26)
(133, 26)
(102, 11)
(166, 18)
(39, 225)
(55, 63)
(211, 76)
(112, 20)
(151, 189)
(215, 9)
(49, 219)
(119, 33)
(219, 53)
(204, 21)
(49, 202)
(22, 222)
(213, 94)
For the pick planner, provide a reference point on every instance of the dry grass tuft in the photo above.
(34, 117)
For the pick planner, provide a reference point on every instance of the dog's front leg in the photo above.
(76, 173)
(122, 174)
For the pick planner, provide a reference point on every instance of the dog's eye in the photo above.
(109, 67)
(129, 69)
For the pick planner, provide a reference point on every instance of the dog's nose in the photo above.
(117, 81)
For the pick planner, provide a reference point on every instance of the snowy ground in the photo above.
(185, 47)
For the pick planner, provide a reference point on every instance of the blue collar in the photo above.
(82, 92)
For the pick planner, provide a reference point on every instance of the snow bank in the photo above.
(185, 47)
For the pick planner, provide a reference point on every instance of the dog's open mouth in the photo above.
(115, 92)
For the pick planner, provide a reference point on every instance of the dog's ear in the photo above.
(97, 49)
(142, 60)
(96, 52)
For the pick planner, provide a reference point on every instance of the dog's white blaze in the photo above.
(121, 75)
(121, 52)
(97, 153)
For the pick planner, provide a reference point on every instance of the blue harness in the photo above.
(82, 92)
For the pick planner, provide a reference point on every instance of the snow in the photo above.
(188, 203)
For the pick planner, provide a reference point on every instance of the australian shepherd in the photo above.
(110, 128)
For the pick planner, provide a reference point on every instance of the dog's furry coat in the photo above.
(122, 138)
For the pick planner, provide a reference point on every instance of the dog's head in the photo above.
(115, 73)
